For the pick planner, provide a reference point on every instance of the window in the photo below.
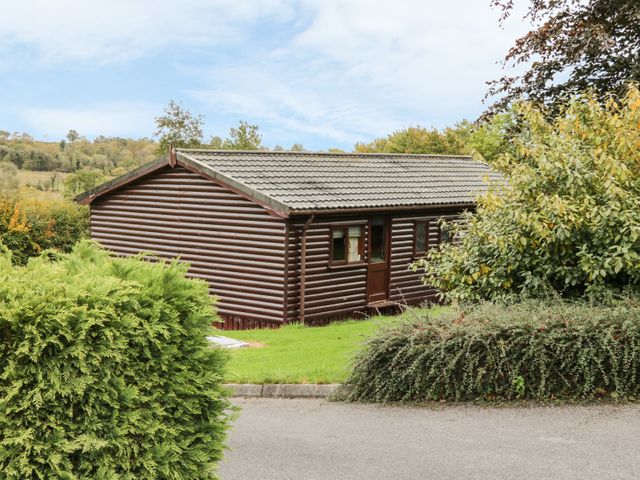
(346, 245)
(354, 244)
(421, 237)
(339, 247)
(377, 241)
(422, 241)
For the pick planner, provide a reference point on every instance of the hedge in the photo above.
(105, 372)
(540, 350)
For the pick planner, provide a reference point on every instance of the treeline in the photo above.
(112, 156)
(484, 140)
(109, 155)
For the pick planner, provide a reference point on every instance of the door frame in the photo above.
(387, 219)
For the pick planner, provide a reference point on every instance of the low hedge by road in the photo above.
(540, 350)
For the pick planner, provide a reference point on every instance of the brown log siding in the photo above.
(232, 243)
(341, 292)
(405, 285)
(249, 257)
(331, 292)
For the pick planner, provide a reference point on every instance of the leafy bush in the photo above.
(532, 350)
(568, 218)
(105, 371)
(29, 225)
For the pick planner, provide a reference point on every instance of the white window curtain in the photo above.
(355, 234)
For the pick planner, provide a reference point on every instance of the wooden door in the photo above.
(378, 266)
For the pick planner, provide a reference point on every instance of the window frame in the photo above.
(361, 244)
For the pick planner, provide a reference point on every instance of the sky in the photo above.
(322, 73)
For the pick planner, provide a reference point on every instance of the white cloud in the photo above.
(99, 31)
(344, 70)
(109, 119)
(363, 68)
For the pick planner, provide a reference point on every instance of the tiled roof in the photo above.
(304, 181)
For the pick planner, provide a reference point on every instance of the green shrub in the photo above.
(81, 181)
(567, 220)
(30, 225)
(532, 350)
(105, 371)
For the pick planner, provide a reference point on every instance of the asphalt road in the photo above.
(317, 440)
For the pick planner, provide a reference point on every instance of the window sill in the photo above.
(343, 266)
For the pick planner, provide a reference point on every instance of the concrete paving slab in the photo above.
(226, 342)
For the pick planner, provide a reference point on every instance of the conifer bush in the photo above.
(105, 372)
(541, 350)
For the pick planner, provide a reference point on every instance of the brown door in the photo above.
(378, 269)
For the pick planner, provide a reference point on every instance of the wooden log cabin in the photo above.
(287, 237)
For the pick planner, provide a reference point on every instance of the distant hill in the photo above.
(110, 155)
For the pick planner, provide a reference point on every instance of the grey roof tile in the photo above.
(327, 181)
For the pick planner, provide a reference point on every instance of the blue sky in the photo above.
(321, 73)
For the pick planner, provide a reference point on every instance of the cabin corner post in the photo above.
(285, 286)
(303, 265)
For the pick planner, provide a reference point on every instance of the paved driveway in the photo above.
(314, 440)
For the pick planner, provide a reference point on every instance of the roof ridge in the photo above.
(321, 153)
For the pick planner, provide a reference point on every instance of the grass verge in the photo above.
(301, 354)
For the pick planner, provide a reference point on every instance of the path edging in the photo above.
(283, 390)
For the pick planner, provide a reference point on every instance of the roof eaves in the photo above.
(266, 201)
(89, 196)
(381, 208)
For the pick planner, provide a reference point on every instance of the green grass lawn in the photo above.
(299, 354)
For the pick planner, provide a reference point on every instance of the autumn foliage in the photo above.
(30, 224)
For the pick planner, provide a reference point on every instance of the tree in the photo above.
(297, 147)
(419, 140)
(245, 137)
(574, 45)
(81, 181)
(178, 127)
(489, 138)
(567, 218)
(72, 136)
(216, 143)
